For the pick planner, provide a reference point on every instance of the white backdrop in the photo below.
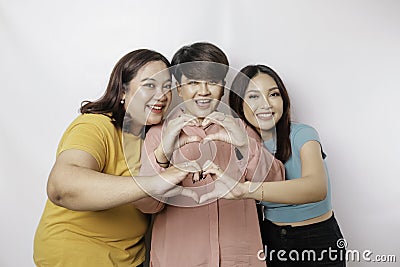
(339, 59)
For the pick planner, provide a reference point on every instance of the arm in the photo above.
(149, 167)
(261, 164)
(311, 187)
(76, 183)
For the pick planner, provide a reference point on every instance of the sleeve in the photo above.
(88, 136)
(150, 167)
(261, 165)
(304, 134)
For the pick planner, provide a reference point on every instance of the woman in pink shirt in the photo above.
(220, 232)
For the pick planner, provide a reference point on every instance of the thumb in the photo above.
(190, 193)
(189, 139)
(206, 197)
(219, 136)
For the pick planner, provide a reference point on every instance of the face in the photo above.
(201, 98)
(263, 104)
(149, 94)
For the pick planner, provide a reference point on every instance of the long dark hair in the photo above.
(236, 98)
(124, 71)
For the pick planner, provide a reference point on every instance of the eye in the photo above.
(253, 96)
(212, 82)
(193, 83)
(275, 94)
(149, 85)
(167, 86)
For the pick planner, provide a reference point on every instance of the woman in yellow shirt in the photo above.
(89, 219)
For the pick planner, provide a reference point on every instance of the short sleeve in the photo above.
(87, 136)
(302, 135)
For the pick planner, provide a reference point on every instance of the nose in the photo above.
(161, 95)
(264, 103)
(203, 89)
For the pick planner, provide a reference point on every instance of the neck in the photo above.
(136, 129)
(267, 134)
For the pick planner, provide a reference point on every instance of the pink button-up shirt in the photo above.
(222, 232)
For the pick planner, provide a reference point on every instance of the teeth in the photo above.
(157, 107)
(264, 115)
(205, 101)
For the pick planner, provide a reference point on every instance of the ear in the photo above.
(124, 91)
(179, 89)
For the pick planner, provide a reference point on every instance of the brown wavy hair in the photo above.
(124, 71)
(236, 98)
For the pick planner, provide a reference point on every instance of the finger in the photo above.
(211, 168)
(196, 177)
(190, 193)
(186, 139)
(188, 166)
(206, 122)
(173, 175)
(217, 116)
(208, 196)
(219, 136)
(176, 125)
(208, 164)
(213, 171)
(176, 190)
(190, 120)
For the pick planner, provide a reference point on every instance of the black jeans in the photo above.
(319, 244)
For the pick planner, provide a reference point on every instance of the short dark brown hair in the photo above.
(203, 53)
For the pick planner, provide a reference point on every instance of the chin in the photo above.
(267, 128)
(153, 121)
(203, 114)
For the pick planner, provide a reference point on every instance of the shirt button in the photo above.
(283, 232)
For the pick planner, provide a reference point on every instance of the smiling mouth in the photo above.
(265, 116)
(157, 108)
(203, 103)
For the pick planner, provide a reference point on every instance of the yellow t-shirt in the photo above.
(112, 237)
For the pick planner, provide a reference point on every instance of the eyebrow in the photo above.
(148, 79)
(257, 91)
(154, 80)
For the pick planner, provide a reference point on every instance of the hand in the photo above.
(165, 184)
(225, 186)
(230, 131)
(173, 138)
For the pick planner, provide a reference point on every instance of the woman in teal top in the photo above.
(299, 135)
(298, 227)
